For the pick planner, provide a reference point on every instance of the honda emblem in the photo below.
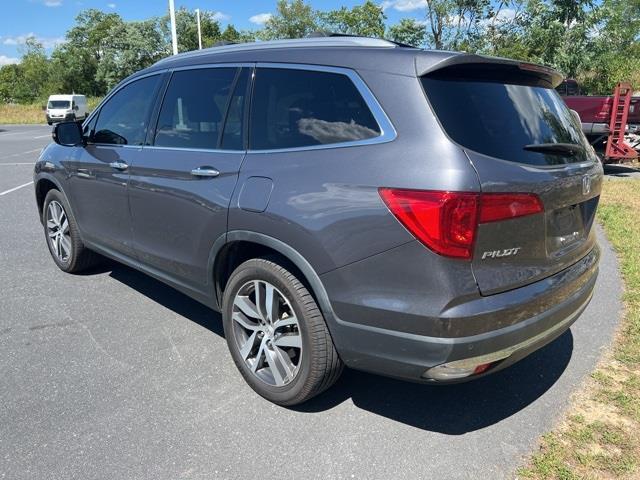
(586, 185)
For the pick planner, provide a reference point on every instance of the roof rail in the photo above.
(331, 41)
(325, 34)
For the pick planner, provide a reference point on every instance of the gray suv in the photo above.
(425, 215)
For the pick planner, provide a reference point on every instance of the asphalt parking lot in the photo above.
(111, 374)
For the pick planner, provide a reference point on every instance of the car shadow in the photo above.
(614, 170)
(165, 295)
(451, 409)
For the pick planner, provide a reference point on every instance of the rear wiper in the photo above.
(566, 149)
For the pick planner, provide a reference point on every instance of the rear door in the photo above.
(182, 184)
(520, 137)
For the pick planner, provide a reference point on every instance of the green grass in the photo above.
(600, 436)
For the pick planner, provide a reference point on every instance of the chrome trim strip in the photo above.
(185, 149)
(213, 65)
(387, 131)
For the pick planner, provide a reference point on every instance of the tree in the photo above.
(457, 24)
(231, 34)
(366, 20)
(35, 71)
(13, 88)
(76, 62)
(134, 46)
(293, 19)
(409, 32)
(615, 47)
(187, 29)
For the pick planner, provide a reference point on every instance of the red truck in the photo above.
(595, 113)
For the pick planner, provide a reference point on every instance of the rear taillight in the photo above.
(446, 222)
(503, 206)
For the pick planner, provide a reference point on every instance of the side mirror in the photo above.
(75, 107)
(68, 134)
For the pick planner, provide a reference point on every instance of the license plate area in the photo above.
(565, 229)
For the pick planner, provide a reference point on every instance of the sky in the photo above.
(48, 20)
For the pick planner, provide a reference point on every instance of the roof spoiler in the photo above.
(425, 65)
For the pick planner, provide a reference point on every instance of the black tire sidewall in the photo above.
(59, 197)
(268, 271)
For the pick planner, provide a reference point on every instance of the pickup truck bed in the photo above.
(595, 113)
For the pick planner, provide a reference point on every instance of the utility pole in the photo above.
(199, 33)
(174, 36)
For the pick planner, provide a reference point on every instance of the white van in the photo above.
(64, 108)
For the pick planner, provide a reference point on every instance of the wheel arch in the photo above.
(43, 184)
(241, 245)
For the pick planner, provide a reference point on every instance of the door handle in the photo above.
(119, 165)
(205, 172)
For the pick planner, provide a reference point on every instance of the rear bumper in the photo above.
(409, 355)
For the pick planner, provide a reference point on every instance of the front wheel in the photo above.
(276, 334)
(63, 238)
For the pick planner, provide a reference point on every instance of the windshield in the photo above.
(499, 120)
(58, 104)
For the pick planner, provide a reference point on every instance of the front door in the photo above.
(100, 171)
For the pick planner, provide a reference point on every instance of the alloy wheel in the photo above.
(58, 232)
(267, 333)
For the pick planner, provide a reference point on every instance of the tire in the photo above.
(300, 373)
(49, 123)
(68, 252)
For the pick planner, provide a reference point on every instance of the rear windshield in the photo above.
(499, 119)
(58, 104)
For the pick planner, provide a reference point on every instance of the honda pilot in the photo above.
(342, 201)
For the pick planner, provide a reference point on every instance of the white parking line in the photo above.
(43, 136)
(6, 134)
(22, 153)
(15, 188)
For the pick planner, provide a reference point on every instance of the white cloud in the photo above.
(47, 42)
(111, 5)
(221, 17)
(4, 60)
(261, 18)
(404, 5)
(53, 3)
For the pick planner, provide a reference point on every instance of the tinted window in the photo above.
(123, 120)
(193, 109)
(297, 108)
(232, 137)
(499, 119)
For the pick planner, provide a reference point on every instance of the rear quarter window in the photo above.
(298, 108)
(500, 119)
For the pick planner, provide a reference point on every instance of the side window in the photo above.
(192, 113)
(89, 128)
(123, 120)
(298, 108)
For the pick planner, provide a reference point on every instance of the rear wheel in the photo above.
(63, 239)
(276, 334)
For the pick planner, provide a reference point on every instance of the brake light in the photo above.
(502, 206)
(446, 222)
